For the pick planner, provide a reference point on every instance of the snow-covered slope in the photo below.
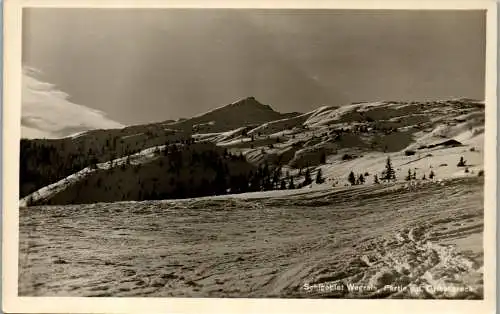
(49, 191)
(354, 242)
(421, 238)
(434, 133)
(418, 136)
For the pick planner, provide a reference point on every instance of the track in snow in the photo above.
(362, 242)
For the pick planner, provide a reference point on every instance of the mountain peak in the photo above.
(249, 101)
(243, 112)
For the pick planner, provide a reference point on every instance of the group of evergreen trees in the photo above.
(233, 174)
(388, 174)
(413, 176)
(266, 177)
(355, 180)
(43, 162)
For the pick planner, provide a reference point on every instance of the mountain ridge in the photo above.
(246, 111)
(328, 138)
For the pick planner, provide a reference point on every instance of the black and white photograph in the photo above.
(257, 153)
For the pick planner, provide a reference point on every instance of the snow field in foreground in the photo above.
(368, 241)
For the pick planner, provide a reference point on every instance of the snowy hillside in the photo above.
(368, 200)
(419, 138)
(434, 133)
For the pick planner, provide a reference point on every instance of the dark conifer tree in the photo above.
(462, 162)
(351, 178)
(361, 179)
(390, 174)
(409, 176)
(319, 177)
(307, 177)
(432, 175)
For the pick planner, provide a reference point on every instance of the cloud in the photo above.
(47, 112)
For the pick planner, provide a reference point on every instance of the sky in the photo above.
(132, 66)
(47, 112)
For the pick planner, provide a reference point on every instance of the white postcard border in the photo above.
(12, 132)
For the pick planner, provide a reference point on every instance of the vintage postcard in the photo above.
(249, 156)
